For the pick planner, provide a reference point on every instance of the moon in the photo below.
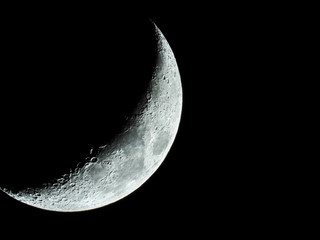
(122, 166)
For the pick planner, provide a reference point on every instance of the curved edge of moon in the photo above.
(123, 166)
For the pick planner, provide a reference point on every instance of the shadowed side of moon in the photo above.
(69, 88)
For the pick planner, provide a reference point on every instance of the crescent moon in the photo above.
(134, 155)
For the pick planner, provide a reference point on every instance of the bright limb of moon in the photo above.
(133, 156)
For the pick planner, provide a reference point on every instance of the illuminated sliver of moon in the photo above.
(133, 156)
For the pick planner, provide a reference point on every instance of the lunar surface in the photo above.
(119, 168)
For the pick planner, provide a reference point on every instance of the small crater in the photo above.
(61, 180)
(106, 163)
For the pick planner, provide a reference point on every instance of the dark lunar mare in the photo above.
(70, 83)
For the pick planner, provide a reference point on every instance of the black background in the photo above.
(209, 182)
